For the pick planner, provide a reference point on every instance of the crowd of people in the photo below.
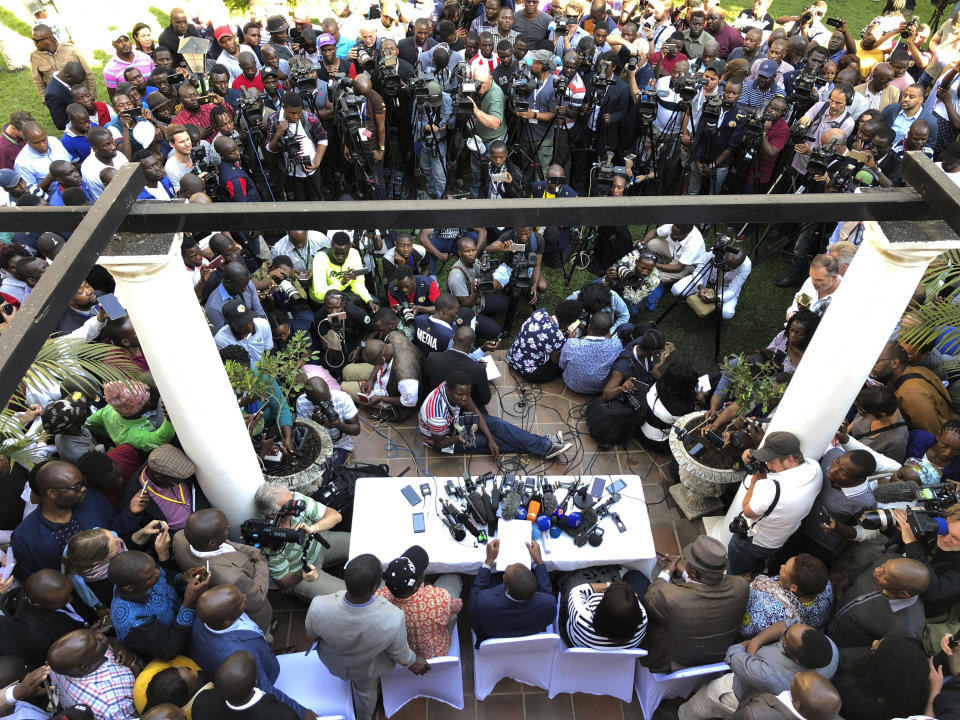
(824, 603)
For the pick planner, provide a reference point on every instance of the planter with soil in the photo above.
(303, 472)
(702, 479)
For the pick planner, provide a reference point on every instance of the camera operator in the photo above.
(823, 116)
(333, 66)
(941, 555)
(490, 127)
(433, 116)
(667, 126)
(781, 489)
(734, 269)
(536, 136)
(336, 412)
(374, 132)
(774, 136)
(606, 116)
(365, 51)
(462, 283)
(304, 144)
(566, 31)
(569, 93)
(557, 240)
(500, 177)
(285, 566)
(712, 155)
(509, 244)
(410, 295)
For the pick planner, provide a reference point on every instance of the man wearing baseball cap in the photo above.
(780, 492)
(763, 88)
(429, 610)
(245, 329)
(431, 120)
(126, 56)
(230, 57)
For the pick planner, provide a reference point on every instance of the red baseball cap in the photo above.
(222, 31)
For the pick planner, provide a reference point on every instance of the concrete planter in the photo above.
(701, 486)
(307, 481)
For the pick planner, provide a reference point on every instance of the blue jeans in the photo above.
(510, 438)
(746, 557)
(432, 167)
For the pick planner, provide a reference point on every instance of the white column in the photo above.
(862, 316)
(186, 367)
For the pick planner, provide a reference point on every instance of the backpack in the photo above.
(337, 491)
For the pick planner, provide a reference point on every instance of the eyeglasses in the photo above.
(73, 488)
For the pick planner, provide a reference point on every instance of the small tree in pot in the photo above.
(705, 471)
(277, 377)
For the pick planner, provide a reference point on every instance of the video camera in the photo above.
(485, 275)
(804, 84)
(686, 87)
(346, 108)
(301, 79)
(752, 133)
(465, 429)
(647, 104)
(466, 89)
(364, 58)
(259, 533)
(205, 170)
(561, 26)
(389, 77)
(926, 521)
(290, 147)
(521, 263)
(819, 159)
(520, 89)
(418, 85)
(712, 109)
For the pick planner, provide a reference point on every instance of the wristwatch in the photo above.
(535, 114)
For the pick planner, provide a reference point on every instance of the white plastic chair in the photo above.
(653, 687)
(306, 679)
(593, 671)
(444, 682)
(528, 660)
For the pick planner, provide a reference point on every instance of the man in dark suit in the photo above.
(511, 184)
(615, 106)
(439, 365)
(515, 604)
(694, 610)
(556, 239)
(411, 47)
(58, 95)
(883, 601)
(222, 627)
(179, 29)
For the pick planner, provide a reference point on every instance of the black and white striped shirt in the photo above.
(582, 604)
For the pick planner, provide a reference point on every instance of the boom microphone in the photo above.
(511, 503)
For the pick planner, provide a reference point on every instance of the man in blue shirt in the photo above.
(434, 333)
(586, 361)
(536, 131)
(714, 151)
(235, 184)
(236, 282)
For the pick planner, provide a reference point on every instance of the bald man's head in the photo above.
(206, 530)
(902, 578)
(78, 653)
(167, 711)
(464, 338)
(237, 677)
(814, 697)
(219, 607)
(48, 589)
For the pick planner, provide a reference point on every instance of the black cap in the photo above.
(236, 312)
(402, 574)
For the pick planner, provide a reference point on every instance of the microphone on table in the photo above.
(456, 529)
(511, 504)
(461, 517)
(549, 503)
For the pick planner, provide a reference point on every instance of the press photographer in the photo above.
(822, 116)
(293, 571)
(522, 250)
(297, 136)
(781, 489)
(432, 117)
(486, 121)
(336, 412)
(360, 116)
(411, 295)
(475, 285)
(718, 134)
(569, 91)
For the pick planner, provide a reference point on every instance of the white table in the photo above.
(383, 526)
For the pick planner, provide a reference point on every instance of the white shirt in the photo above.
(808, 289)
(954, 176)
(308, 148)
(256, 343)
(799, 488)
(302, 257)
(689, 250)
(232, 64)
(34, 167)
(91, 167)
(665, 115)
(345, 408)
(409, 389)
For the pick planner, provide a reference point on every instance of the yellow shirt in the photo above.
(868, 58)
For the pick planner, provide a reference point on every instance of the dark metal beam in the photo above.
(173, 217)
(932, 184)
(41, 311)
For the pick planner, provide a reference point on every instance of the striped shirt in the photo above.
(108, 690)
(285, 561)
(436, 413)
(844, 504)
(582, 604)
(113, 70)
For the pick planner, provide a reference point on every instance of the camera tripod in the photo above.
(428, 138)
(664, 150)
(515, 130)
(712, 272)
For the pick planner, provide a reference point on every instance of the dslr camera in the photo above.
(326, 410)
(364, 58)
(405, 311)
(925, 519)
(561, 26)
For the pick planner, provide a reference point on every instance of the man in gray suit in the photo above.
(359, 637)
(694, 610)
(811, 696)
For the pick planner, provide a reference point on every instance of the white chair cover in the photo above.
(653, 687)
(528, 660)
(307, 680)
(597, 672)
(444, 682)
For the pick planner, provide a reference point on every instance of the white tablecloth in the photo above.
(383, 526)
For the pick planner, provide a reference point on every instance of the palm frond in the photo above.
(944, 270)
(18, 443)
(928, 322)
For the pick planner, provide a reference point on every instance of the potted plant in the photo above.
(276, 377)
(704, 478)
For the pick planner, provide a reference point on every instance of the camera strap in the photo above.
(773, 505)
(871, 433)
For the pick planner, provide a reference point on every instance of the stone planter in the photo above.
(307, 481)
(701, 486)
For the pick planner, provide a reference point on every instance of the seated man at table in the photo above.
(442, 430)
(517, 603)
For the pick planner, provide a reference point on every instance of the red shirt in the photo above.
(201, 119)
(666, 63)
(426, 614)
(241, 83)
(777, 135)
(432, 294)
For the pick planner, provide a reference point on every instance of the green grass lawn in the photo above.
(760, 311)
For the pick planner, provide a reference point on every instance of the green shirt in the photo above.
(492, 104)
(285, 561)
(138, 432)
